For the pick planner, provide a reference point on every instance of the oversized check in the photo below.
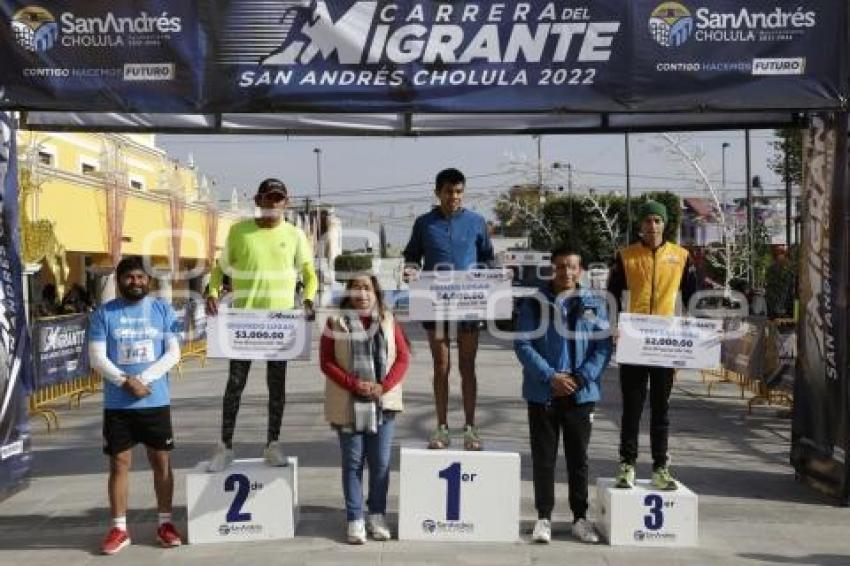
(673, 342)
(243, 334)
(477, 294)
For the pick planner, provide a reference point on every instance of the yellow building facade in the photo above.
(87, 199)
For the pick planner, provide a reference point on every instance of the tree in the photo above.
(790, 141)
(519, 208)
(594, 224)
(348, 264)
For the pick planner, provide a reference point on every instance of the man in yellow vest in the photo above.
(654, 272)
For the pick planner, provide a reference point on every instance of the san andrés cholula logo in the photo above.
(37, 30)
(672, 24)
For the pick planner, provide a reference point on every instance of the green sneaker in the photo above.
(661, 479)
(625, 476)
(439, 439)
(471, 440)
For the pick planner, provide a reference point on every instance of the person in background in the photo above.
(49, 304)
(76, 300)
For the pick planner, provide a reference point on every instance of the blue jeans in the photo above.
(358, 449)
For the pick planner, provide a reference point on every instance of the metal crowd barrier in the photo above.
(760, 362)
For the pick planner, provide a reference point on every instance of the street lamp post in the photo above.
(318, 152)
(628, 191)
(539, 162)
(750, 220)
(723, 149)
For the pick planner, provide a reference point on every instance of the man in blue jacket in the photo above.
(450, 237)
(563, 343)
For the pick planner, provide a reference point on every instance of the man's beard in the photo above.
(133, 293)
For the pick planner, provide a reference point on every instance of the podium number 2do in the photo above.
(242, 486)
(454, 479)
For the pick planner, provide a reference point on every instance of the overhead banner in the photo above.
(234, 56)
(821, 428)
(15, 374)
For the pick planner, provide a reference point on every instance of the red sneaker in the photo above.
(168, 536)
(116, 539)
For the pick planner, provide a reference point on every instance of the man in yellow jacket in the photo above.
(654, 272)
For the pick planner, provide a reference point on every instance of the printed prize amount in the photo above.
(259, 334)
(669, 342)
(462, 296)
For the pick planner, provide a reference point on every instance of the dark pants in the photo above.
(276, 382)
(633, 382)
(546, 423)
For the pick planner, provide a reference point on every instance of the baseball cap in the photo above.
(270, 186)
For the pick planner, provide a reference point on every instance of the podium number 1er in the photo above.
(454, 478)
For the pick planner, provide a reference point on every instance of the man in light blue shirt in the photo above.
(133, 342)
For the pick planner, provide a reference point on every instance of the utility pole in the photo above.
(788, 203)
(540, 163)
(570, 191)
(628, 193)
(750, 220)
(318, 152)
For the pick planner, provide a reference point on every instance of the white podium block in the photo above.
(451, 496)
(645, 516)
(247, 501)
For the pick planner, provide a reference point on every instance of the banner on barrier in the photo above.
(418, 56)
(181, 315)
(15, 368)
(61, 352)
(744, 354)
(198, 320)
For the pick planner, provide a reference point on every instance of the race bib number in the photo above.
(140, 352)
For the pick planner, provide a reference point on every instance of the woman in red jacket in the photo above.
(364, 354)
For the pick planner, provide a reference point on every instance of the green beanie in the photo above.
(652, 207)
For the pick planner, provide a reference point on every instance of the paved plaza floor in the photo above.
(751, 509)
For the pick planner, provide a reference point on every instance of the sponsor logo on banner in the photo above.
(779, 66)
(369, 43)
(13, 449)
(62, 338)
(672, 24)
(35, 29)
(149, 71)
